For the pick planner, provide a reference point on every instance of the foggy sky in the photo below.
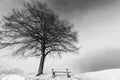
(106, 59)
(69, 7)
(77, 10)
(98, 23)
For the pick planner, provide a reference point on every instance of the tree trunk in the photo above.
(41, 65)
(40, 70)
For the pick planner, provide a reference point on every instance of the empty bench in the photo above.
(56, 72)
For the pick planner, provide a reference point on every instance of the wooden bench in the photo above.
(56, 72)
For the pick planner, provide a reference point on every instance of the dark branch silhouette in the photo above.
(37, 31)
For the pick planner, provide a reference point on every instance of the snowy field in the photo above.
(112, 74)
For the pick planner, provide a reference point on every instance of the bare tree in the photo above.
(35, 30)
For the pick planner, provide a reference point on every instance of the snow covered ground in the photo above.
(13, 77)
(112, 74)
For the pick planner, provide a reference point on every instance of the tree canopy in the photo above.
(36, 30)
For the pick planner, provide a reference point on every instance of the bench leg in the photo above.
(68, 75)
(53, 75)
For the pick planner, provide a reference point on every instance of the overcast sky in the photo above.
(98, 24)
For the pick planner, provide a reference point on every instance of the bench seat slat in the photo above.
(62, 72)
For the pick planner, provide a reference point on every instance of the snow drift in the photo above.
(13, 77)
(111, 74)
